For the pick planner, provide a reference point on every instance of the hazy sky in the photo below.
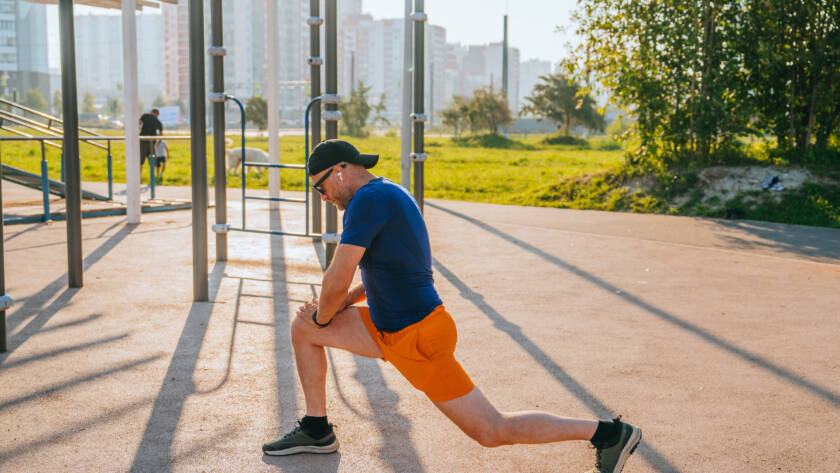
(532, 24)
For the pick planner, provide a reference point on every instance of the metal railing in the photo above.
(224, 227)
(46, 182)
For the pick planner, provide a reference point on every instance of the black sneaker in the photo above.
(612, 459)
(297, 441)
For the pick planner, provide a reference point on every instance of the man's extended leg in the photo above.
(474, 414)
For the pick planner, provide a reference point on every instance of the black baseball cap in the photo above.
(331, 152)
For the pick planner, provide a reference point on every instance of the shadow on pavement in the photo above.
(155, 450)
(811, 242)
(34, 303)
(394, 428)
(743, 354)
(654, 458)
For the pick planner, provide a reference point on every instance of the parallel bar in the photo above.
(315, 89)
(275, 165)
(198, 128)
(331, 15)
(270, 232)
(275, 199)
(71, 144)
(219, 169)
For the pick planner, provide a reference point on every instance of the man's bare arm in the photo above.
(337, 280)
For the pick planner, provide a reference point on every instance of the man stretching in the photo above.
(405, 322)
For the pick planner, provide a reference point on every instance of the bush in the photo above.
(559, 139)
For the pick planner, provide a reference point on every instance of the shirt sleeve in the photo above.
(159, 124)
(366, 217)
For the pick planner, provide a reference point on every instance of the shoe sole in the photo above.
(632, 444)
(304, 449)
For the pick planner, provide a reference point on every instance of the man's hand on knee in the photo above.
(306, 311)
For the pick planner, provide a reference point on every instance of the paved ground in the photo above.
(721, 339)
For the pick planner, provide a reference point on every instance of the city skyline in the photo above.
(370, 50)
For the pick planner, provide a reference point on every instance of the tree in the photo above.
(57, 104)
(563, 101)
(488, 110)
(87, 103)
(792, 67)
(673, 63)
(355, 111)
(379, 113)
(256, 109)
(34, 99)
(114, 107)
(455, 115)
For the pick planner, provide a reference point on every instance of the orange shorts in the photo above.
(424, 353)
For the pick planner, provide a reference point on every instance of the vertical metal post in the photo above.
(419, 155)
(405, 133)
(110, 173)
(152, 162)
(315, 61)
(198, 150)
(45, 182)
(331, 17)
(2, 273)
(133, 169)
(73, 172)
(273, 105)
(217, 53)
(505, 62)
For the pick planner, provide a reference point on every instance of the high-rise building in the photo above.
(529, 75)
(99, 55)
(24, 52)
(371, 52)
(476, 66)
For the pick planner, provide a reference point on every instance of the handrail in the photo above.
(27, 137)
(23, 121)
(97, 138)
(43, 115)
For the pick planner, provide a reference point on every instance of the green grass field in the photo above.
(490, 168)
(483, 169)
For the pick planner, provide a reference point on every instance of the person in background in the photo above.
(150, 125)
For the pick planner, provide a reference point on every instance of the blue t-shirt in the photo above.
(397, 266)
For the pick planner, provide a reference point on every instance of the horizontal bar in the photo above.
(275, 199)
(275, 165)
(271, 232)
(95, 138)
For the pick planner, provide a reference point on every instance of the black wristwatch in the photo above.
(315, 319)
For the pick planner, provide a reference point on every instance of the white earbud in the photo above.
(339, 176)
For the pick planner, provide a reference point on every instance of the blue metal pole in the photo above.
(45, 183)
(242, 155)
(306, 156)
(110, 173)
(152, 163)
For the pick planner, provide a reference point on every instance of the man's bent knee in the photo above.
(490, 435)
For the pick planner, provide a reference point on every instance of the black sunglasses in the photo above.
(317, 185)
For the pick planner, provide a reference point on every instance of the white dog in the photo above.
(252, 155)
